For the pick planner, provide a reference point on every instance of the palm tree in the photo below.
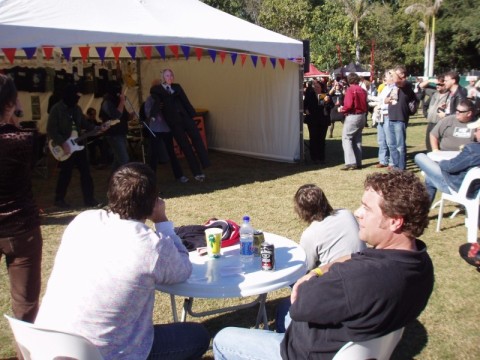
(356, 10)
(428, 10)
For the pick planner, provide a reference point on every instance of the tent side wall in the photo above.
(253, 111)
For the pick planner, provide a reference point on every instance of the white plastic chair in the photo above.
(471, 204)
(42, 344)
(379, 348)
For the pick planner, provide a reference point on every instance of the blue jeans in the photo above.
(383, 139)
(398, 147)
(118, 143)
(239, 343)
(433, 175)
(179, 341)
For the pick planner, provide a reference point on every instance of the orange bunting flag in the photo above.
(282, 63)
(199, 53)
(263, 59)
(174, 50)
(84, 52)
(147, 50)
(116, 52)
(9, 54)
(222, 55)
(243, 57)
(48, 51)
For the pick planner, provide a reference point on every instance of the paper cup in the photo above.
(213, 238)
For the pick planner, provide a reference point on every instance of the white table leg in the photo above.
(174, 308)
(262, 312)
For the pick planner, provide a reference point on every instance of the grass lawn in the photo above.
(449, 328)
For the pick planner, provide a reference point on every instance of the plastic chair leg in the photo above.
(440, 215)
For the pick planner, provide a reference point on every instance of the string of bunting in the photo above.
(147, 51)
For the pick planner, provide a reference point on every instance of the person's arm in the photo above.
(184, 99)
(461, 162)
(434, 142)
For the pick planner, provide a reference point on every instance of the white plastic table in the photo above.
(227, 277)
(442, 155)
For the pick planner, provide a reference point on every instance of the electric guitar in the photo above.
(74, 140)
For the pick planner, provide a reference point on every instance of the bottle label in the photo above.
(246, 247)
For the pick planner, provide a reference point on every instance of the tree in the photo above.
(288, 17)
(356, 10)
(428, 9)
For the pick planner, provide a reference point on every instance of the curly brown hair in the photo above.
(403, 195)
(311, 204)
(132, 191)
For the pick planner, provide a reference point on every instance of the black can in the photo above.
(267, 253)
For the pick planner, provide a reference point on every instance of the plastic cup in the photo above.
(213, 238)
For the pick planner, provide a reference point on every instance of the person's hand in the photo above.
(66, 148)
(158, 213)
(300, 281)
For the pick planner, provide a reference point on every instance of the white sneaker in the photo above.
(183, 179)
(200, 177)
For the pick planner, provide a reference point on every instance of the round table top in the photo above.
(227, 277)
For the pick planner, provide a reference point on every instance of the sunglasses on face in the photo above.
(461, 111)
(442, 84)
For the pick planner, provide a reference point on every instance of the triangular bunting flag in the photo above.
(222, 55)
(66, 51)
(174, 50)
(101, 50)
(282, 63)
(233, 57)
(147, 50)
(29, 52)
(84, 52)
(213, 54)
(161, 51)
(132, 50)
(274, 62)
(116, 52)
(9, 54)
(263, 59)
(48, 51)
(199, 52)
(254, 60)
(186, 51)
(243, 57)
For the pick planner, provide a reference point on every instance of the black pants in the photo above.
(318, 133)
(79, 160)
(163, 139)
(184, 128)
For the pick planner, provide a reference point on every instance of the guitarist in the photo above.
(66, 116)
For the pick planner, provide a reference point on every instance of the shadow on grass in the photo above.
(414, 339)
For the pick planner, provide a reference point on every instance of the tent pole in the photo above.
(300, 115)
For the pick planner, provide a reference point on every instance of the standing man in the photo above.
(452, 133)
(65, 117)
(383, 126)
(355, 110)
(361, 296)
(456, 93)
(401, 104)
(178, 113)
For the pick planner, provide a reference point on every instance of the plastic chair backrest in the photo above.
(36, 343)
(379, 348)
(472, 175)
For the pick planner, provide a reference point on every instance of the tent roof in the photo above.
(314, 72)
(33, 23)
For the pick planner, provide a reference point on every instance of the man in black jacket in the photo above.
(361, 296)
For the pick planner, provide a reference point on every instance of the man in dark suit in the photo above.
(178, 112)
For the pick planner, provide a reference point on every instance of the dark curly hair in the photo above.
(132, 191)
(403, 195)
(311, 204)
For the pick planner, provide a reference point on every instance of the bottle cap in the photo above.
(246, 218)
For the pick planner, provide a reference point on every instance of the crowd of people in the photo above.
(368, 270)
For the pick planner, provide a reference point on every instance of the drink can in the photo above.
(267, 253)
(258, 240)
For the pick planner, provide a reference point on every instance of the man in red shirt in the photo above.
(355, 110)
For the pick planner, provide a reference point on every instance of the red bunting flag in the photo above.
(9, 54)
(282, 63)
(199, 53)
(84, 52)
(243, 57)
(263, 59)
(222, 55)
(174, 50)
(48, 51)
(116, 52)
(147, 50)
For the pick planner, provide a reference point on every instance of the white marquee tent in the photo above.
(253, 110)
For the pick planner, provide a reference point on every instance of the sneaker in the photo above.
(62, 204)
(200, 177)
(350, 167)
(380, 165)
(183, 179)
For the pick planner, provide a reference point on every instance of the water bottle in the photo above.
(246, 241)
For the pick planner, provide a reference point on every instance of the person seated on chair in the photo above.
(107, 267)
(358, 297)
(452, 133)
(448, 174)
